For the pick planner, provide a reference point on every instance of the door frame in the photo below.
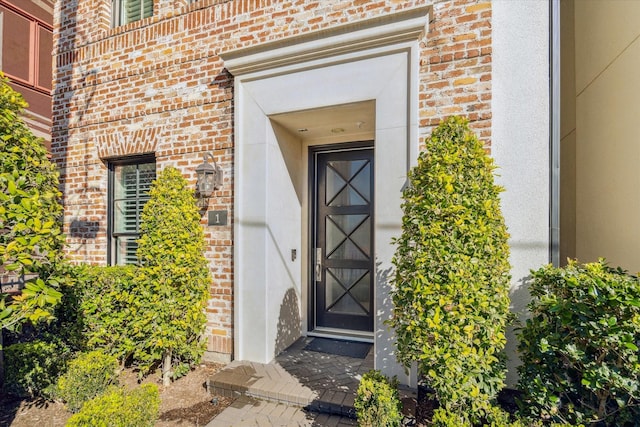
(312, 330)
(388, 51)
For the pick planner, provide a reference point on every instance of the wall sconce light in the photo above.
(209, 176)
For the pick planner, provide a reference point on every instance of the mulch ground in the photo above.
(184, 403)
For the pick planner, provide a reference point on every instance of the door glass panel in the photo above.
(347, 223)
(347, 305)
(340, 190)
(350, 238)
(335, 184)
(348, 197)
(362, 237)
(347, 168)
(361, 292)
(334, 290)
(348, 251)
(338, 298)
(334, 237)
(362, 182)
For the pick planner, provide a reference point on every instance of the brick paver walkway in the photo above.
(299, 388)
(249, 412)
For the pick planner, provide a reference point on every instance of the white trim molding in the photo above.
(375, 60)
(386, 30)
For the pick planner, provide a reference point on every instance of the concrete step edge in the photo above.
(317, 405)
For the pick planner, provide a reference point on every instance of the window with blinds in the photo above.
(129, 191)
(125, 11)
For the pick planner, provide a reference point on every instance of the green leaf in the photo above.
(26, 175)
(451, 283)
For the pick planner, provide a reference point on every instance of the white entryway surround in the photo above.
(372, 62)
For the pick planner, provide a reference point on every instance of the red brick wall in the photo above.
(159, 86)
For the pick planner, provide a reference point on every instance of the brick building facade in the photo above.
(165, 87)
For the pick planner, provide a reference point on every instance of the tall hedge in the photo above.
(175, 273)
(30, 215)
(452, 274)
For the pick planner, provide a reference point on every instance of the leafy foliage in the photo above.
(87, 376)
(377, 402)
(119, 407)
(152, 314)
(110, 305)
(32, 368)
(174, 275)
(580, 347)
(451, 303)
(493, 417)
(30, 216)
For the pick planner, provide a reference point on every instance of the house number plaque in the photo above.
(217, 218)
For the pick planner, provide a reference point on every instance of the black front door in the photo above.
(342, 242)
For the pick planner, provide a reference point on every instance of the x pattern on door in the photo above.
(348, 236)
(345, 225)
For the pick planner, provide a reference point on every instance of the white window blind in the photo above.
(130, 192)
(125, 11)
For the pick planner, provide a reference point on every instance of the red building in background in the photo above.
(26, 41)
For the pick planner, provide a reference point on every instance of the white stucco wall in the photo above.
(520, 139)
(269, 209)
(520, 145)
(381, 67)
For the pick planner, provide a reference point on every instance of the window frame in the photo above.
(36, 25)
(118, 16)
(113, 164)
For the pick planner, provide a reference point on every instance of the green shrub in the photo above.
(120, 408)
(66, 329)
(494, 416)
(452, 274)
(32, 368)
(87, 376)
(109, 302)
(377, 402)
(30, 216)
(145, 314)
(174, 277)
(579, 349)
(444, 418)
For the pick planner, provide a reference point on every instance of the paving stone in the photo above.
(297, 378)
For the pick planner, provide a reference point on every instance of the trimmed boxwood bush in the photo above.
(32, 368)
(579, 349)
(377, 401)
(452, 273)
(87, 376)
(119, 407)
